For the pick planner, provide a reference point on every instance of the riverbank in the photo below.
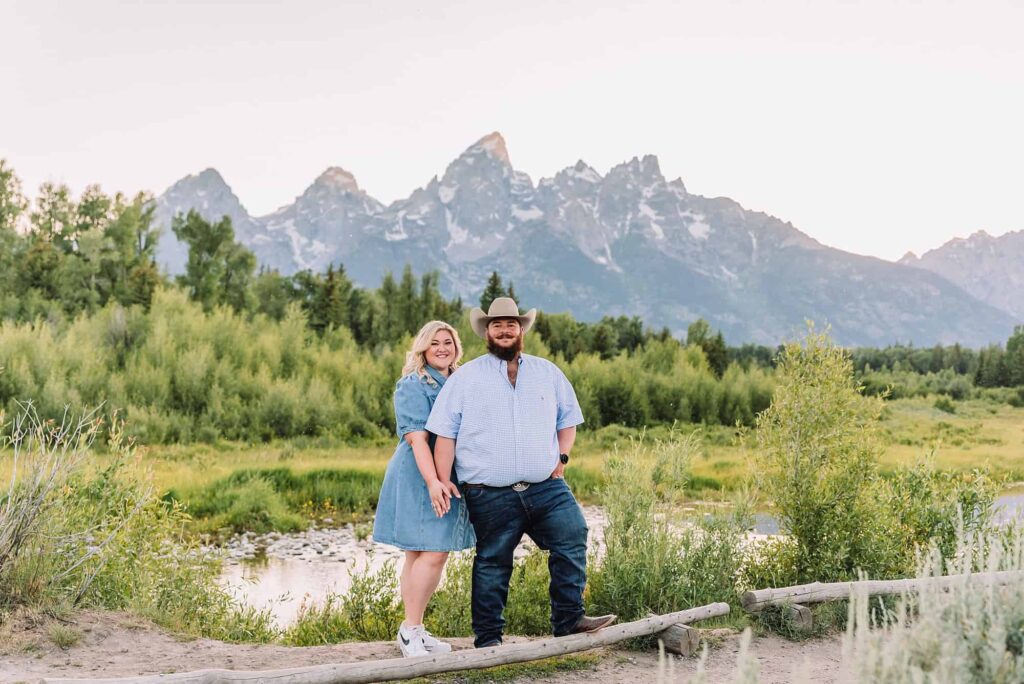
(113, 644)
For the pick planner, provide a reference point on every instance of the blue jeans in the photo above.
(549, 514)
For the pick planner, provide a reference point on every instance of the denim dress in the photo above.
(405, 517)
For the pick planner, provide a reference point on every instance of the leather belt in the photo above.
(517, 487)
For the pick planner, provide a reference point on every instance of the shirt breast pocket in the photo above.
(544, 404)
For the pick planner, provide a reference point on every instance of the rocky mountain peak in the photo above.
(337, 178)
(209, 176)
(643, 172)
(494, 145)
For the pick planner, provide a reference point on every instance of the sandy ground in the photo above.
(120, 645)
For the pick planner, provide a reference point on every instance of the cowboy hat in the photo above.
(501, 307)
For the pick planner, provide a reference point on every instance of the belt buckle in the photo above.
(520, 486)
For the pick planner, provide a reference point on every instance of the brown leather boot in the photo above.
(592, 624)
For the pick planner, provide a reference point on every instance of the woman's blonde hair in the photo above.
(416, 360)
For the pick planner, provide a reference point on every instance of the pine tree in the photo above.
(492, 291)
(717, 354)
(409, 314)
(1015, 358)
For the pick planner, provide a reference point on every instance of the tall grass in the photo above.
(98, 537)
(654, 560)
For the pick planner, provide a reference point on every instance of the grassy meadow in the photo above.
(978, 434)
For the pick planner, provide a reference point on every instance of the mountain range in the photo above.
(628, 242)
(990, 268)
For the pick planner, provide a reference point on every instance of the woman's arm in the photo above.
(444, 458)
(441, 490)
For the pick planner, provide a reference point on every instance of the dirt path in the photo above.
(118, 645)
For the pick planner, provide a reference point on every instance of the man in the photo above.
(508, 421)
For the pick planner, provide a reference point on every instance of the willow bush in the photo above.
(818, 452)
(180, 374)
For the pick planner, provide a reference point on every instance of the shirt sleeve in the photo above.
(446, 416)
(569, 412)
(411, 406)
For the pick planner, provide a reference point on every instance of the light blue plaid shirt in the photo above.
(505, 434)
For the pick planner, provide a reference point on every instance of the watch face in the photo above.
(564, 458)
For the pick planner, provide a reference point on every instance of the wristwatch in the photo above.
(564, 458)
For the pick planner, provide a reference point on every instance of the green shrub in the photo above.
(945, 404)
(818, 446)
(369, 611)
(653, 560)
(256, 507)
(263, 499)
(101, 539)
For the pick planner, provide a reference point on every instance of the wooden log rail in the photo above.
(408, 668)
(756, 601)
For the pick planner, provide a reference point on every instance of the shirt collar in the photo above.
(497, 362)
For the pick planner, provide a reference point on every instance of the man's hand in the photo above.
(559, 472)
(441, 494)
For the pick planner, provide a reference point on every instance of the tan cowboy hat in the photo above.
(501, 307)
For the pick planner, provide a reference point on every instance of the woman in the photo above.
(416, 511)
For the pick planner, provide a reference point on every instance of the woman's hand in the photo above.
(441, 494)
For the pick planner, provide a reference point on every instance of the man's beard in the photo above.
(505, 353)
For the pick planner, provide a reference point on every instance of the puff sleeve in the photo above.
(412, 405)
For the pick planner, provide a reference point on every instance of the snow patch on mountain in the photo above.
(527, 214)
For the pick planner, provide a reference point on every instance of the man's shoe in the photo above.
(592, 624)
(492, 642)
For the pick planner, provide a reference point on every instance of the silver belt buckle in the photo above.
(520, 486)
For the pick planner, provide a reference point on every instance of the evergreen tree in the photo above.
(605, 340)
(511, 293)
(389, 327)
(717, 354)
(1015, 358)
(409, 315)
(337, 302)
(492, 291)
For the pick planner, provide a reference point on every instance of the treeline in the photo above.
(76, 257)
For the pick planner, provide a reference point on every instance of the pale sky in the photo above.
(875, 127)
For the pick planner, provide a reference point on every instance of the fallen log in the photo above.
(818, 592)
(408, 668)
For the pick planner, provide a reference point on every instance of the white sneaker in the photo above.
(433, 644)
(417, 641)
(410, 641)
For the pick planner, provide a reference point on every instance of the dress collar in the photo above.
(436, 374)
